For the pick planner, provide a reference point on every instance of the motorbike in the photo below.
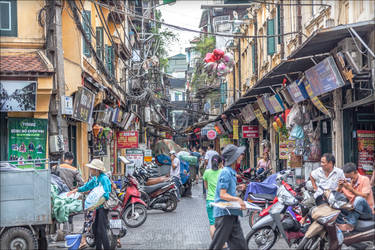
(133, 208)
(249, 176)
(162, 196)
(281, 220)
(115, 230)
(324, 233)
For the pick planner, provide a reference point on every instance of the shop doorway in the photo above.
(72, 141)
(326, 136)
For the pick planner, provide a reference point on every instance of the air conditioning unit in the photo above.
(349, 48)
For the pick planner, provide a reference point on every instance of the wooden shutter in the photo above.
(99, 43)
(109, 59)
(271, 46)
(86, 16)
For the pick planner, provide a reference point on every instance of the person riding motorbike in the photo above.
(97, 170)
(357, 189)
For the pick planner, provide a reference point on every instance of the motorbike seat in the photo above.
(153, 188)
(268, 197)
(364, 225)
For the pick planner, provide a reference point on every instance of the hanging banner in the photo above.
(261, 105)
(315, 100)
(287, 97)
(249, 131)
(277, 107)
(260, 118)
(127, 139)
(228, 125)
(324, 77)
(248, 113)
(268, 105)
(297, 93)
(235, 129)
(83, 105)
(366, 151)
(225, 141)
(27, 140)
(219, 127)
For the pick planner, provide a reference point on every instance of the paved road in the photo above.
(184, 228)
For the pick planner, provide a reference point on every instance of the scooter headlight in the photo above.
(329, 218)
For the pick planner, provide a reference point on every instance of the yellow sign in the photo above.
(315, 100)
(260, 118)
(225, 141)
(235, 129)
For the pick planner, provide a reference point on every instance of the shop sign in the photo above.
(83, 105)
(324, 77)
(297, 91)
(211, 134)
(66, 105)
(315, 100)
(261, 105)
(267, 104)
(117, 116)
(283, 147)
(248, 113)
(100, 147)
(276, 105)
(235, 129)
(135, 155)
(225, 141)
(366, 151)
(27, 140)
(249, 131)
(127, 139)
(260, 118)
(147, 155)
(17, 96)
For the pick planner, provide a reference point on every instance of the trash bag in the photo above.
(294, 117)
(93, 200)
(62, 207)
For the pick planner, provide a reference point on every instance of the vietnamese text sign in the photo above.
(127, 139)
(225, 141)
(268, 104)
(366, 151)
(275, 104)
(261, 105)
(315, 100)
(27, 140)
(147, 155)
(260, 118)
(295, 92)
(235, 129)
(324, 77)
(248, 113)
(83, 105)
(249, 131)
(135, 155)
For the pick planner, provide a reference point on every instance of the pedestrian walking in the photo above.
(198, 155)
(97, 170)
(175, 172)
(207, 161)
(210, 178)
(227, 224)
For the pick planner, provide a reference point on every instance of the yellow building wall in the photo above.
(30, 34)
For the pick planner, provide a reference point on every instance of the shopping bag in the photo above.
(95, 198)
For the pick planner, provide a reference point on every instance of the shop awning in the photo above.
(324, 40)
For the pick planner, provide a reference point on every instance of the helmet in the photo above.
(172, 152)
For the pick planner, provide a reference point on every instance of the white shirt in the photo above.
(331, 182)
(176, 171)
(208, 157)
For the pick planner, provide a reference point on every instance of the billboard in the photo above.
(16, 96)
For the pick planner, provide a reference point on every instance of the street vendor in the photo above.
(97, 170)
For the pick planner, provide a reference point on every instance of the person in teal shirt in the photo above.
(97, 171)
(210, 178)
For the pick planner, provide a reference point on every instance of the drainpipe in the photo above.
(299, 22)
(282, 45)
(239, 67)
(256, 44)
(234, 84)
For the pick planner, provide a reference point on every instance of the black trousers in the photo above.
(100, 229)
(228, 229)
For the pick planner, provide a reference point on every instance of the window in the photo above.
(99, 43)
(8, 18)
(109, 59)
(271, 40)
(253, 57)
(86, 19)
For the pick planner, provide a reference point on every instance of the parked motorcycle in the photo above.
(324, 233)
(115, 230)
(133, 208)
(281, 220)
(162, 196)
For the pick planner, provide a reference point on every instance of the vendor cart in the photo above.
(25, 206)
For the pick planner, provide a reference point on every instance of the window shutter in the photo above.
(109, 59)
(271, 40)
(8, 18)
(99, 42)
(253, 57)
(86, 27)
(278, 24)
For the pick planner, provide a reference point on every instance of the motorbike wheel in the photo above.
(263, 238)
(307, 243)
(90, 240)
(112, 239)
(136, 219)
(253, 217)
(171, 203)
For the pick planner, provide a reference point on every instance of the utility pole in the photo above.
(57, 125)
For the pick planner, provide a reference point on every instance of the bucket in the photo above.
(72, 241)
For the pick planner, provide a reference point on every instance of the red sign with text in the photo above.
(250, 131)
(127, 139)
